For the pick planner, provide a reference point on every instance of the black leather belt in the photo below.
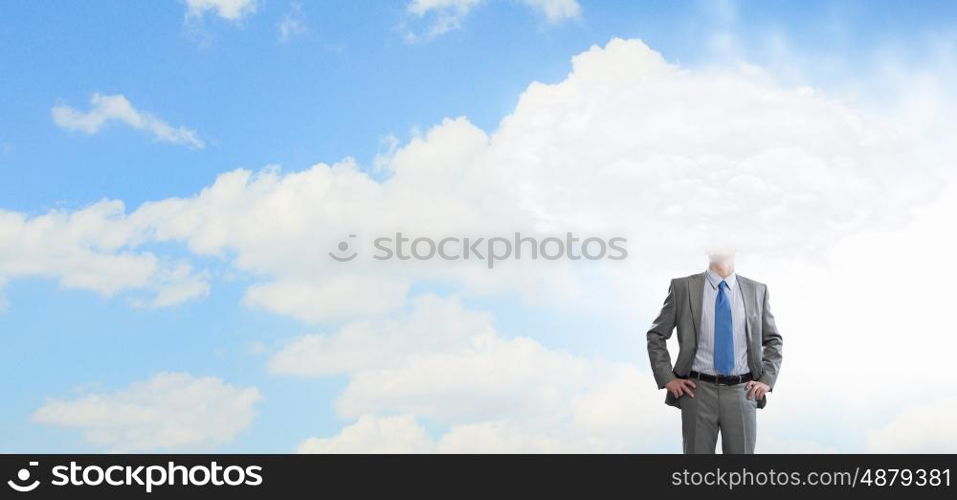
(721, 379)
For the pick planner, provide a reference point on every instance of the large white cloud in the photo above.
(166, 411)
(117, 108)
(632, 143)
(872, 306)
(678, 159)
(627, 144)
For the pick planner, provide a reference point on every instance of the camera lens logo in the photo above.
(23, 475)
(342, 253)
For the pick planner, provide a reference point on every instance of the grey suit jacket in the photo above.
(682, 310)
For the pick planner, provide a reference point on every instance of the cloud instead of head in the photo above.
(232, 10)
(167, 411)
(105, 109)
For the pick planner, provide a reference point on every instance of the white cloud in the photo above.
(447, 364)
(919, 428)
(556, 10)
(771, 442)
(710, 157)
(370, 434)
(627, 144)
(447, 15)
(846, 314)
(329, 300)
(519, 387)
(167, 411)
(434, 324)
(232, 10)
(116, 108)
(666, 149)
(292, 24)
(91, 249)
(403, 434)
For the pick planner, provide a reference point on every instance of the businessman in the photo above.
(729, 355)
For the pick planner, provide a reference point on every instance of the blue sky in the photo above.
(339, 89)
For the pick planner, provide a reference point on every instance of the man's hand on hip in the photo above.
(680, 386)
(757, 390)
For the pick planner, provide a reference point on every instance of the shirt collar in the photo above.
(715, 279)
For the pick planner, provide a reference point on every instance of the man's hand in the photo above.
(680, 386)
(757, 390)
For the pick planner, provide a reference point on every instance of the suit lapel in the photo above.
(695, 293)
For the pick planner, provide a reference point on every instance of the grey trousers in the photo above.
(718, 408)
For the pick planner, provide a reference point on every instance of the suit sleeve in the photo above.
(772, 343)
(658, 336)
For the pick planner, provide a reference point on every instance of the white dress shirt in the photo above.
(704, 357)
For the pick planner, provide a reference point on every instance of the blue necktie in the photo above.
(723, 339)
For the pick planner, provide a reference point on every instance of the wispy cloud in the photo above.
(293, 23)
(167, 411)
(232, 10)
(556, 10)
(117, 108)
(447, 15)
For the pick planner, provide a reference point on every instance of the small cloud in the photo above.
(231, 10)
(256, 348)
(109, 108)
(167, 411)
(293, 23)
(373, 434)
(556, 10)
(919, 428)
(447, 15)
